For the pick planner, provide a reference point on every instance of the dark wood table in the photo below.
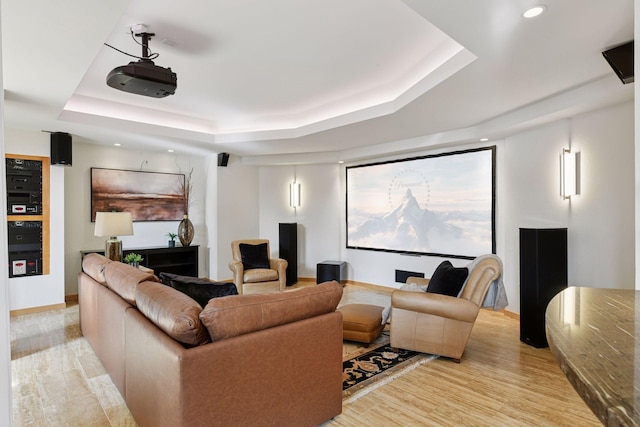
(594, 334)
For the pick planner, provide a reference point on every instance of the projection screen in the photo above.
(439, 205)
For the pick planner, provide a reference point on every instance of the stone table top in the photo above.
(594, 334)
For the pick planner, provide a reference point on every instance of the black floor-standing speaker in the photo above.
(61, 149)
(289, 249)
(543, 273)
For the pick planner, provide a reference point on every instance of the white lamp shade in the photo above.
(113, 224)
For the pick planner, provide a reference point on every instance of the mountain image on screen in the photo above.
(410, 228)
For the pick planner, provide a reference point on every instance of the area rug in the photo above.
(365, 372)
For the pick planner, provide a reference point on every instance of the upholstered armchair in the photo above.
(441, 324)
(254, 272)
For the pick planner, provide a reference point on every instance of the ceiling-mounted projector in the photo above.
(143, 77)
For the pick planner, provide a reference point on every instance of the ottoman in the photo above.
(361, 322)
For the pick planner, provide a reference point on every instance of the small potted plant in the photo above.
(172, 239)
(133, 259)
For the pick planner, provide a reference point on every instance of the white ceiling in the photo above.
(280, 79)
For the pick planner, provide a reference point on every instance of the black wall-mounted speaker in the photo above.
(223, 159)
(61, 149)
(620, 58)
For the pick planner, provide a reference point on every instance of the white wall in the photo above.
(77, 221)
(237, 211)
(317, 217)
(5, 341)
(601, 240)
(44, 290)
(636, 121)
(599, 221)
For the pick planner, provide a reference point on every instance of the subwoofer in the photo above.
(61, 149)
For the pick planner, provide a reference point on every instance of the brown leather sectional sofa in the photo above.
(243, 360)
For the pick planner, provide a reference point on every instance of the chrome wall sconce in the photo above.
(294, 194)
(569, 174)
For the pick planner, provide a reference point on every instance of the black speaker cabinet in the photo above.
(620, 58)
(289, 250)
(223, 159)
(331, 270)
(543, 273)
(61, 149)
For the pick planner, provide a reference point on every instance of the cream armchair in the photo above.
(441, 324)
(257, 280)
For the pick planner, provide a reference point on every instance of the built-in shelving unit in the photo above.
(28, 181)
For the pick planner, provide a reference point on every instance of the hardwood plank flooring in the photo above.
(58, 381)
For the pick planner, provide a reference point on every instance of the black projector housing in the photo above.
(144, 78)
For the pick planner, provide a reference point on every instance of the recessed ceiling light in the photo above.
(117, 144)
(484, 139)
(534, 11)
(340, 162)
(170, 150)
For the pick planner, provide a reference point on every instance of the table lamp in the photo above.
(112, 225)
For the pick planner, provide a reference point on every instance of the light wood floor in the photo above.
(58, 381)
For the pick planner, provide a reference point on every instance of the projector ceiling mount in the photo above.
(143, 77)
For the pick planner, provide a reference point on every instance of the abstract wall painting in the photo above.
(149, 196)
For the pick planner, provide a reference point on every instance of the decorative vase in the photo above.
(185, 231)
(135, 264)
(172, 243)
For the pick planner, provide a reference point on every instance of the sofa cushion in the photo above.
(93, 265)
(254, 256)
(201, 290)
(172, 311)
(123, 279)
(447, 279)
(241, 314)
(256, 275)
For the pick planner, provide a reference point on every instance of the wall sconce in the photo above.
(294, 194)
(569, 174)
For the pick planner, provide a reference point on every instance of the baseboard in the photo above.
(40, 309)
(71, 298)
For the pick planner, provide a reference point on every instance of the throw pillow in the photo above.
(447, 279)
(243, 314)
(254, 256)
(173, 312)
(201, 290)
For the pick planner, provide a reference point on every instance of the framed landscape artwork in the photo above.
(439, 205)
(149, 196)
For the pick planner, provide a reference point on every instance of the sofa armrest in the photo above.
(435, 304)
(238, 274)
(280, 265)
